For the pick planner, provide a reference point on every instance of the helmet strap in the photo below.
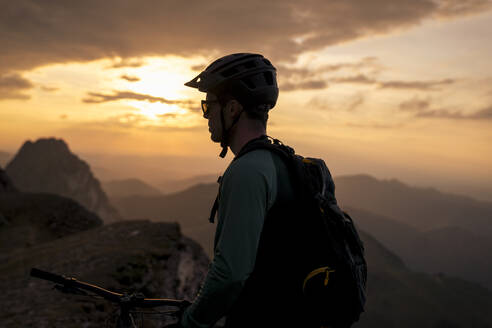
(224, 140)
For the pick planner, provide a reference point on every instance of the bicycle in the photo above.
(128, 303)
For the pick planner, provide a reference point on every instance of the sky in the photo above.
(392, 88)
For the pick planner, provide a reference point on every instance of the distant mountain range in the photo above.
(453, 249)
(401, 237)
(397, 296)
(129, 187)
(48, 166)
(421, 208)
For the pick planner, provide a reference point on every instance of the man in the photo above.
(254, 257)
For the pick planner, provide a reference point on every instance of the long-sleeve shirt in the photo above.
(248, 190)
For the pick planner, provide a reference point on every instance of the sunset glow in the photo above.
(404, 94)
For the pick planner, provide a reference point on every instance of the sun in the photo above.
(162, 78)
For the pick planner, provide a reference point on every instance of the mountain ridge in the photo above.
(47, 165)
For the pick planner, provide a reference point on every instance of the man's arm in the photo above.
(245, 198)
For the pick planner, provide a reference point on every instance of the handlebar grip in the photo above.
(48, 276)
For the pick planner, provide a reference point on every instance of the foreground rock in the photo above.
(27, 219)
(152, 258)
(48, 166)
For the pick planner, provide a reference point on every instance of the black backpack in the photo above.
(334, 268)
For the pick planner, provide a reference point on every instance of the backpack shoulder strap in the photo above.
(262, 142)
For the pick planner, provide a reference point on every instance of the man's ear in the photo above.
(236, 108)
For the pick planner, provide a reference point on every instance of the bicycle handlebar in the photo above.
(133, 300)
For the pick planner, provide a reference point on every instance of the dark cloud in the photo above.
(12, 86)
(304, 78)
(422, 108)
(483, 114)
(127, 62)
(371, 63)
(406, 85)
(303, 85)
(130, 78)
(42, 32)
(453, 8)
(97, 98)
(415, 85)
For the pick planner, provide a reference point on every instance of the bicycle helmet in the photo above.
(250, 78)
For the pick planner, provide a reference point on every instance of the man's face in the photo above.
(213, 117)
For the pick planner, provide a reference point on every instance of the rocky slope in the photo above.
(48, 166)
(28, 219)
(152, 258)
(6, 184)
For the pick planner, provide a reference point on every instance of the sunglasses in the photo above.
(206, 105)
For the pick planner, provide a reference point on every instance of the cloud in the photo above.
(415, 85)
(356, 101)
(422, 109)
(349, 104)
(49, 89)
(303, 85)
(356, 79)
(130, 78)
(375, 125)
(127, 62)
(368, 63)
(42, 32)
(403, 85)
(97, 98)
(415, 105)
(305, 78)
(12, 86)
(483, 114)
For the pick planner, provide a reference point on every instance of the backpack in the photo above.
(334, 268)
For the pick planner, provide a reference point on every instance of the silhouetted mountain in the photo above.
(4, 158)
(178, 185)
(191, 208)
(29, 219)
(48, 166)
(6, 184)
(452, 250)
(422, 208)
(152, 258)
(129, 187)
(398, 297)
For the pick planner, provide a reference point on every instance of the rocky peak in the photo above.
(48, 166)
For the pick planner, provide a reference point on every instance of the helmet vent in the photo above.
(250, 64)
(249, 83)
(268, 77)
(229, 72)
(267, 62)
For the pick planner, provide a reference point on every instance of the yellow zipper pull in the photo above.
(327, 278)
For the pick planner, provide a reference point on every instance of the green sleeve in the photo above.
(248, 190)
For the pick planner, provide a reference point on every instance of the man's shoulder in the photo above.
(256, 159)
